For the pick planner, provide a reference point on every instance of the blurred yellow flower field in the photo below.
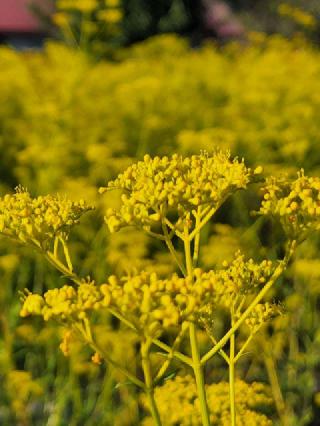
(192, 286)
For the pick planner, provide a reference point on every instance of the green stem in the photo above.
(149, 387)
(244, 346)
(203, 222)
(278, 271)
(66, 254)
(172, 249)
(173, 228)
(197, 240)
(232, 380)
(205, 217)
(55, 247)
(275, 387)
(198, 373)
(179, 355)
(154, 234)
(170, 356)
(89, 340)
(221, 352)
(196, 359)
(61, 267)
(187, 252)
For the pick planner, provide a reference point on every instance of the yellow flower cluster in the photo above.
(38, 220)
(66, 303)
(21, 388)
(65, 344)
(89, 24)
(262, 313)
(231, 283)
(251, 400)
(150, 303)
(244, 276)
(155, 185)
(110, 134)
(84, 6)
(296, 202)
(154, 304)
(298, 15)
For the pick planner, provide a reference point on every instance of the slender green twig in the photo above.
(221, 352)
(184, 358)
(55, 247)
(275, 387)
(162, 370)
(198, 373)
(66, 254)
(149, 385)
(172, 249)
(232, 393)
(179, 355)
(196, 246)
(196, 359)
(206, 219)
(173, 228)
(61, 267)
(153, 234)
(87, 336)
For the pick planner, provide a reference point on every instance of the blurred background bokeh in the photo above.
(89, 86)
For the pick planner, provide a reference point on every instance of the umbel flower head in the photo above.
(296, 202)
(38, 220)
(252, 400)
(150, 303)
(66, 304)
(154, 304)
(155, 185)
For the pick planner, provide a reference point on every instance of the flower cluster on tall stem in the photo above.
(171, 199)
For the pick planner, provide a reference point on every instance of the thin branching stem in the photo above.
(149, 384)
(196, 246)
(172, 249)
(232, 393)
(87, 336)
(53, 260)
(195, 352)
(162, 370)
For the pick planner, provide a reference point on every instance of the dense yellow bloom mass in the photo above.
(66, 303)
(153, 304)
(84, 6)
(155, 185)
(296, 202)
(298, 15)
(161, 97)
(178, 403)
(261, 314)
(38, 220)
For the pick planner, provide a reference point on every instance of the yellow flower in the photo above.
(155, 185)
(83, 6)
(298, 15)
(38, 220)
(252, 400)
(61, 19)
(296, 203)
(110, 16)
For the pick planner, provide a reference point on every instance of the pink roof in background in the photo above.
(16, 16)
